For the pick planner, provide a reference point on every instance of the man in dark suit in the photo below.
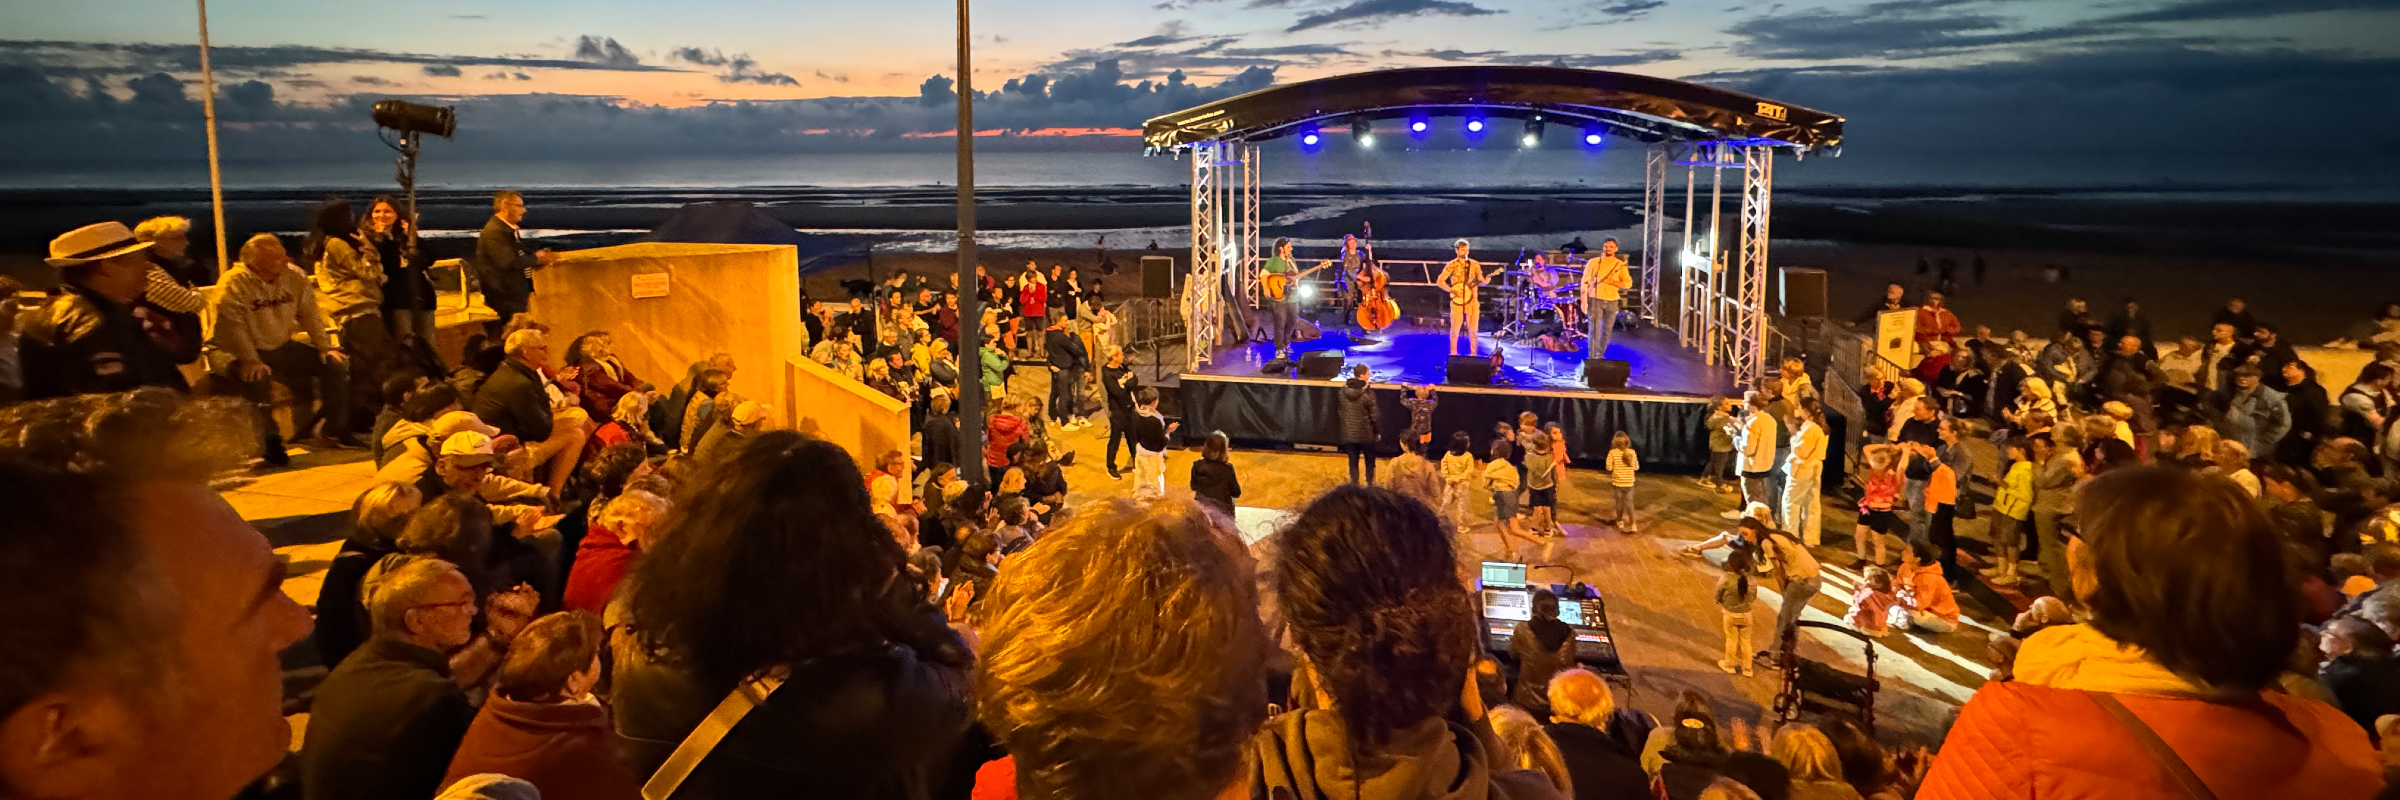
(503, 264)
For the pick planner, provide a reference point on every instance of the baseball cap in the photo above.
(468, 447)
(459, 421)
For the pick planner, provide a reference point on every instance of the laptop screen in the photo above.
(1508, 604)
(1570, 612)
(1503, 575)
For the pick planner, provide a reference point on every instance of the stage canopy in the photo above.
(1645, 108)
(738, 222)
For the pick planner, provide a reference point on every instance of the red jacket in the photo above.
(600, 564)
(2018, 740)
(1003, 430)
(563, 749)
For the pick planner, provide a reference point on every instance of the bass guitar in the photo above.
(1376, 309)
(1277, 284)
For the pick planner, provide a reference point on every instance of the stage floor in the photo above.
(1406, 353)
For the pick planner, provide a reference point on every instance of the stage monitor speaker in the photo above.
(1803, 292)
(1159, 278)
(1321, 364)
(1605, 373)
(1471, 370)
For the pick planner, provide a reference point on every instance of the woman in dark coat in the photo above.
(2312, 415)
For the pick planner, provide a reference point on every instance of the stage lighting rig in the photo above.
(408, 118)
(1475, 126)
(1362, 133)
(1533, 132)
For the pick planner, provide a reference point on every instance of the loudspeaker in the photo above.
(1471, 370)
(1603, 373)
(1803, 292)
(1321, 364)
(1159, 278)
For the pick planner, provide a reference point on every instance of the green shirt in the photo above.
(1276, 265)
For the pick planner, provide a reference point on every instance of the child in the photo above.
(1722, 425)
(1941, 504)
(1500, 478)
(1458, 470)
(1875, 516)
(1734, 596)
(1870, 607)
(2014, 504)
(1622, 464)
(1541, 484)
(1527, 428)
(1419, 401)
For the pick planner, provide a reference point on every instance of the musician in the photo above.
(1604, 283)
(1282, 313)
(1463, 278)
(1549, 287)
(1354, 268)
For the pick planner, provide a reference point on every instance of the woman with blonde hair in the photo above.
(629, 424)
(1904, 404)
(1525, 745)
(1816, 769)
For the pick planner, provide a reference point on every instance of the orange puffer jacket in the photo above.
(2018, 740)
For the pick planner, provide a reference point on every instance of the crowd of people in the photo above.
(569, 582)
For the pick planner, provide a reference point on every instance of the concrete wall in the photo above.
(837, 409)
(742, 299)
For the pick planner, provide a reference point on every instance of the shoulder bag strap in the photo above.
(703, 739)
(2158, 748)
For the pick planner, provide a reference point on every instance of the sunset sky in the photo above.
(79, 79)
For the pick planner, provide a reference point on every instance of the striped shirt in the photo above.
(1622, 463)
(171, 295)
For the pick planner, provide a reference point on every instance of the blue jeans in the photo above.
(1603, 321)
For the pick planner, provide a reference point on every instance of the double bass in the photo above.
(1376, 309)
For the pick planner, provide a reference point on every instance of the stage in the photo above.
(1664, 405)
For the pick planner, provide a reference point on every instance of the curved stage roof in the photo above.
(1642, 107)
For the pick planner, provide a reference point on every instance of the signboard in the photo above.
(1896, 337)
(649, 284)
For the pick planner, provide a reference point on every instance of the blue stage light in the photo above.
(1417, 126)
(1309, 139)
(1592, 139)
(1474, 126)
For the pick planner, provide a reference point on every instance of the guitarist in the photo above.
(1281, 312)
(1463, 278)
(1604, 283)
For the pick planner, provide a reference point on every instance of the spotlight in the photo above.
(407, 117)
(1309, 138)
(1533, 132)
(1308, 294)
(1417, 126)
(1530, 141)
(1474, 126)
(1362, 133)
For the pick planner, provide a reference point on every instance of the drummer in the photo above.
(1552, 285)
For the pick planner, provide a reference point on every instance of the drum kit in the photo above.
(1531, 305)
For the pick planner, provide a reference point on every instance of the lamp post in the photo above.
(970, 295)
(208, 109)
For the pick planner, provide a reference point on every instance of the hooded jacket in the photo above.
(1307, 755)
(257, 313)
(2043, 735)
(1358, 412)
(564, 749)
(349, 280)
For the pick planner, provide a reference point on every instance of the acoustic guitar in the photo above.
(1276, 284)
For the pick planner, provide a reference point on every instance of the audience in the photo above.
(1099, 687)
(386, 721)
(87, 339)
(264, 305)
(774, 578)
(620, 531)
(1583, 712)
(541, 724)
(2191, 613)
(1366, 580)
(522, 400)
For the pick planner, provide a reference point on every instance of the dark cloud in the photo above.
(442, 70)
(605, 51)
(1901, 29)
(836, 77)
(469, 16)
(116, 59)
(1370, 12)
(739, 68)
(369, 80)
(1577, 60)
(1610, 12)
(2210, 10)
(1174, 32)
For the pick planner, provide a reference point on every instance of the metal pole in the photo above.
(208, 109)
(970, 296)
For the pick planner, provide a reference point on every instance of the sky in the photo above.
(2212, 89)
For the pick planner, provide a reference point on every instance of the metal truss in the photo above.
(1203, 297)
(1758, 201)
(1654, 228)
(1246, 235)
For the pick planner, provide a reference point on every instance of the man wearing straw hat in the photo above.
(87, 340)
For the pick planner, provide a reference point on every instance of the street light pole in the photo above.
(208, 109)
(970, 295)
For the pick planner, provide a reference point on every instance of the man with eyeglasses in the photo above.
(386, 721)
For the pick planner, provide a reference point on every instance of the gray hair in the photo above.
(401, 589)
(151, 229)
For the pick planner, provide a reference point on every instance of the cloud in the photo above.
(1901, 29)
(836, 77)
(117, 59)
(738, 68)
(469, 16)
(1370, 12)
(605, 51)
(2211, 10)
(1172, 33)
(1610, 12)
(1576, 60)
(442, 70)
(369, 80)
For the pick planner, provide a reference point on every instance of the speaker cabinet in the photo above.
(1322, 364)
(1471, 370)
(1606, 373)
(1159, 277)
